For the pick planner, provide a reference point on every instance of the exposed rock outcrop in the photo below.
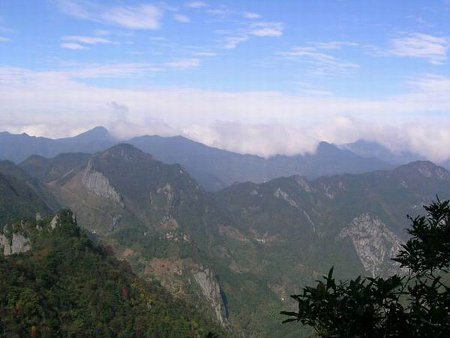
(213, 293)
(374, 243)
(99, 184)
(18, 243)
(285, 196)
(303, 183)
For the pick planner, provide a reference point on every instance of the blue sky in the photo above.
(261, 77)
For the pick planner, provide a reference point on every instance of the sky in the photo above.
(256, 76)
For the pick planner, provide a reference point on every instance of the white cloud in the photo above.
(260, 139)
(265, 123)
(232, 42)
(88, 40)
(262, 29)
(251, 15)
(257, 29)
(416, 45)
(182, 18)
(142, 16)
(123, 70)
(432, 84)
(197, 4)
(205, 54)
(72, 45)
(118, 70)
(139, 17)
(3, 39)
(334, 44)
(322, 63)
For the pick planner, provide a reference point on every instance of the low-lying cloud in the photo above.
(55, 104)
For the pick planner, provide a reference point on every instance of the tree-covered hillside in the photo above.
(249, 246)
(19, 198)
(58, 283)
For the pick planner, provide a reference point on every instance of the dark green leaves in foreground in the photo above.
(416, 304)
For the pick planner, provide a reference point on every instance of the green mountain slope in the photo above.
(334, 220)
(20, 195)
(153, 214)
(59, 283)
(239, 253)
(158, 218)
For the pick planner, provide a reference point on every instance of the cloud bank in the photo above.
(56, 104)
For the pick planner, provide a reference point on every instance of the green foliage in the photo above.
(416, 304)
(18, 199)
(67, 286)
(429, 247)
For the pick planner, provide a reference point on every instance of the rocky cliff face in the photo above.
(14, 240)
(211, 290)
(97, 183)
(16, 244)
(374, 243)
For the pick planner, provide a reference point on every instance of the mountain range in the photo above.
(237, 253)
(214, 168)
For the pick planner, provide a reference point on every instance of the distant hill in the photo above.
(57, 282)
(372, 149)
(18, 147)
(213, 168)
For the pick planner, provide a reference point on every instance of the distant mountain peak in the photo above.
(369, 148)
(426, 169)
(326, 147)
(125, 151)
(98, 130)
(95, 133)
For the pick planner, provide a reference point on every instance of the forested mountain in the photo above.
(240, 252)
(317, 219)
(57, 283)
(153, 214)
(211, 167)
(20, 194)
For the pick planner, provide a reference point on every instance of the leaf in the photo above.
(289, 320)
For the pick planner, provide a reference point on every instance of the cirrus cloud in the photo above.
(144, 16)
(434, 49)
